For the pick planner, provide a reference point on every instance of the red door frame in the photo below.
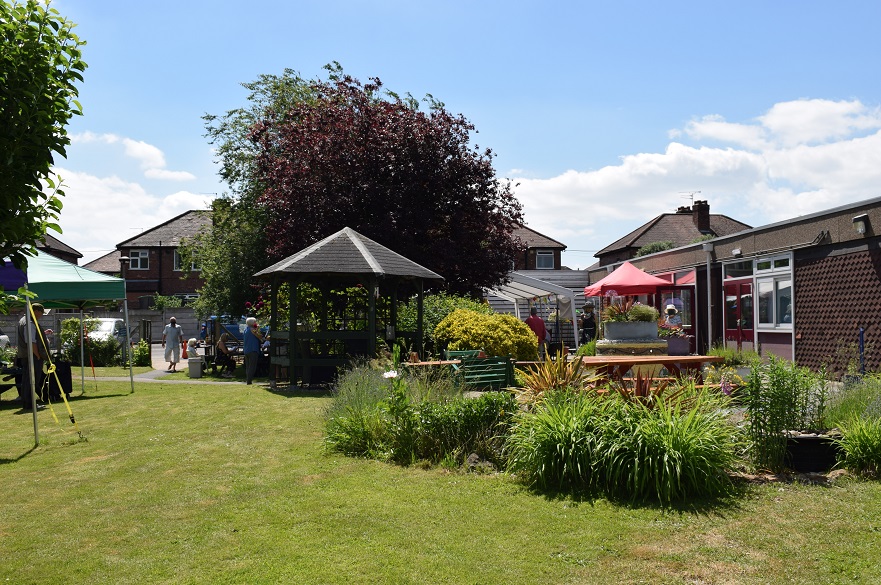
(741, 313)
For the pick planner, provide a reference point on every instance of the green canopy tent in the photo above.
(61, 285)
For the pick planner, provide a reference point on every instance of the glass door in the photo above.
(739, 314)
(681, 297)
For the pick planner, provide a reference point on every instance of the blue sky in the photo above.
(606, 113)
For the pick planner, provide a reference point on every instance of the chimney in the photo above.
(700, 214)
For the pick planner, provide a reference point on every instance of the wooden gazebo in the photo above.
(345, 259)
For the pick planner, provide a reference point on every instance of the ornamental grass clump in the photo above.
(624, 448)
(560, 374)
(554, 447)
(781, 398)
(860, 446)
(668, 452)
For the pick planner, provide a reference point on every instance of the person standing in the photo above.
(588, 324)
(251, 347)
(537, 325)
(38, 348)
(171, 341)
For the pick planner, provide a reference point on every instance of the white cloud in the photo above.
(799, 157)
(100, 212)
(150, 158)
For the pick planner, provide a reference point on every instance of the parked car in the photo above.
(109, 328)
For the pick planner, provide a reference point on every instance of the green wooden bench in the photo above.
(457, 354)
(493, 373)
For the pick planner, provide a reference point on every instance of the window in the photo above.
(177, 263)
(739, 269)
(544, 260)
(775, 302)
(139, 259)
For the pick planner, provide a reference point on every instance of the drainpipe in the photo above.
(708, 248)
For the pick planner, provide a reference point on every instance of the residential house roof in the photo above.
(108, 263)
(682, 228)
(172, 232)
(52, 245)
(533, 239)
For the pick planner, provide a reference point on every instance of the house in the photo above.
(55, 247)
(154, 265)
(806, 289)
(539, 253)
(686, 226)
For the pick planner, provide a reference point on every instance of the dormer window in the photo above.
(544, 260)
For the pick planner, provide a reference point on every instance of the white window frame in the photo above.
(139, 260)
(544, 254)
(774, 275)
(194, 266)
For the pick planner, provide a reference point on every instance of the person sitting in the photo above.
(223, 357)
(192, 348)
(672, 317)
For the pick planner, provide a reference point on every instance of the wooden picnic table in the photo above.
(433, 363)
(615, 367)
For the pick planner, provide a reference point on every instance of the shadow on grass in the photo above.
(314, 391)
(718, 505)
(5, 460)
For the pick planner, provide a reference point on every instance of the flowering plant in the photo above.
(667, 330)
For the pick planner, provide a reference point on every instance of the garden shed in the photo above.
(359, 283)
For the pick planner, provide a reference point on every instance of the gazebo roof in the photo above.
(348, 253)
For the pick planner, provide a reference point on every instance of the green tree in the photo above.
(357, 156)
(40, 62)
(234, 247)
(653, 247)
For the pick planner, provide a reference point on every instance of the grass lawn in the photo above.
(230, 484)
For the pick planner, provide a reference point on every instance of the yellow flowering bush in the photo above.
(495, 334)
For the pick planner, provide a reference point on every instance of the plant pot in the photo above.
(616, 330)
(810, 452)
(678, 346)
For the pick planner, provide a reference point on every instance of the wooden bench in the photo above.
(492, 373)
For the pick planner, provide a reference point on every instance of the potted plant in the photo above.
(626, 319)
(678, 341)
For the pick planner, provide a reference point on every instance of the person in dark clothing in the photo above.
(588, 324)
(40, 352)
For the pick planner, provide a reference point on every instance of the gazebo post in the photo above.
(273, 327)
(294, 336)
(419, 314)
(371, 316)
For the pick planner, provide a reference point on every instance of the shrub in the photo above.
(141, 354)
(653, 247)
(860, 446)
(456, 429)
(434, 309)
(589, 348)
(560, 374)
(161, 302)
(781, 396)
(733, 357)
(496, 334)
(410, 417)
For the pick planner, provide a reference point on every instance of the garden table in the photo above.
(615, 367)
